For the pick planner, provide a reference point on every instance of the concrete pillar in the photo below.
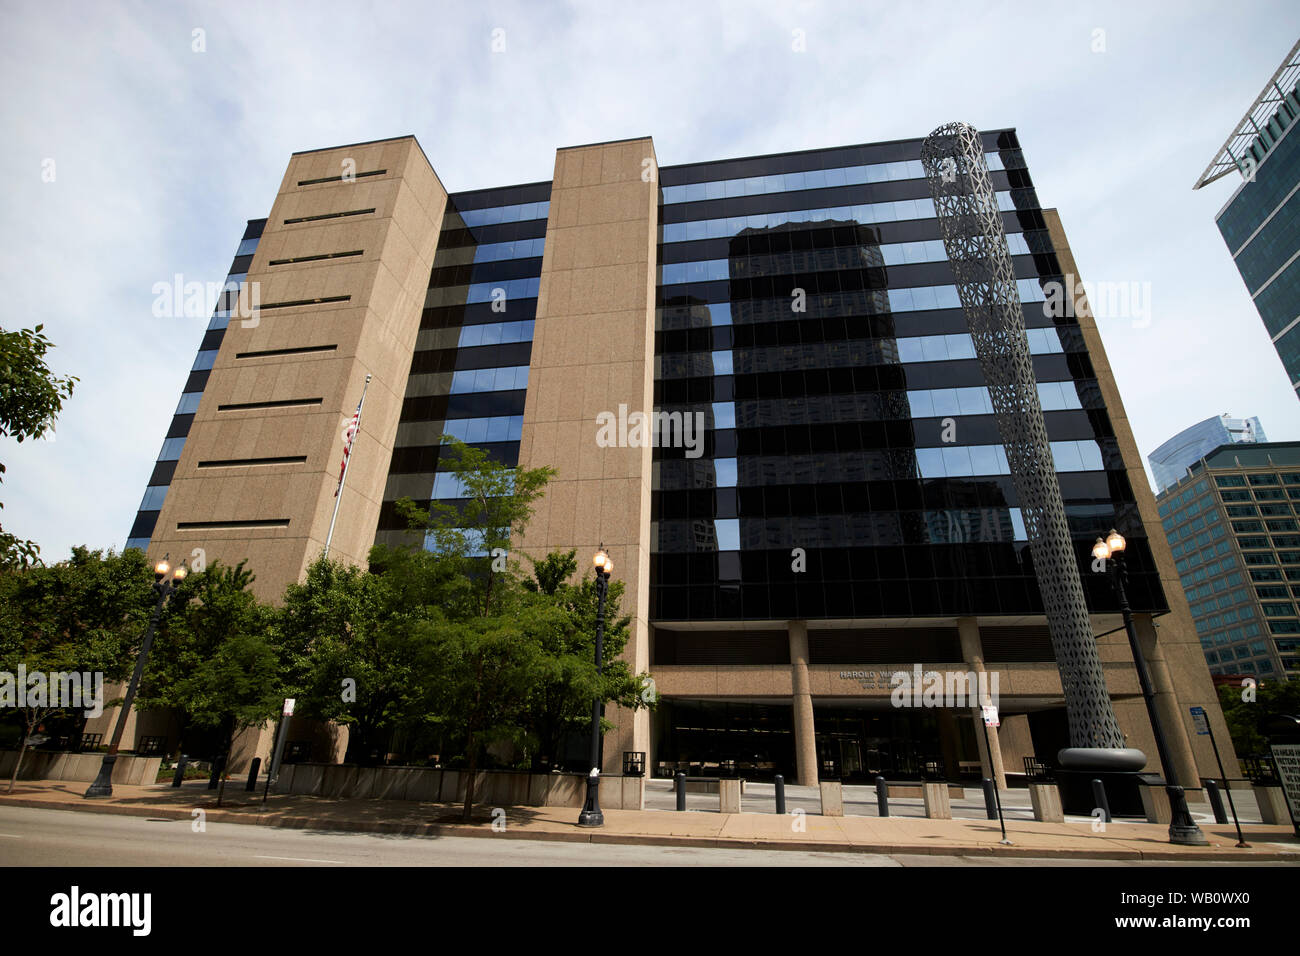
(949, 739)
(972, 652)
(1015, 741)
(805, 735)
(1166, 701)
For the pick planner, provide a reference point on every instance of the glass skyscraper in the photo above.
(1261, 222)
(1171, 460)
(1235, 537)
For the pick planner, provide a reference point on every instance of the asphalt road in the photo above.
(31, 837)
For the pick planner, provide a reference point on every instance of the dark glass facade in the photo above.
(156, 490)
(1233, 525)
(807, 310)
(1261, 226)
(469, 371)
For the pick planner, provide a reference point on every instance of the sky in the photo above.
(164, 141)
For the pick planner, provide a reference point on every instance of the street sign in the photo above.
(1201, 722)
(288, 706)
(990, 715)
(1286, 757)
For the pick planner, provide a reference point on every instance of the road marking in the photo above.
(297, 859)
(10, 836)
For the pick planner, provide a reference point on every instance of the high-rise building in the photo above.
(1235, 537)
(846, 511)
(1261, 222)
(1171, 460)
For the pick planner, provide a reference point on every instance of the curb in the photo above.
(642, 839)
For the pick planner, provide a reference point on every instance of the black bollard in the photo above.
(990, 799)
(780, 793)
(882, 796)
(681, 791)
(252, 774)
(180, 770)
(1216, 801)
(218, 766)
(1099, 798)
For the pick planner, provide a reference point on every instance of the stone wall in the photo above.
(51, 765)
(492, 787)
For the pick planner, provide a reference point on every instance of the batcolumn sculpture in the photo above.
(953, 159)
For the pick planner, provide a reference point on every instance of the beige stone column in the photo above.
(1167, 705)
(339, 279)
(1015, 742)
(972, 651)
(593, 359)
(805, 734)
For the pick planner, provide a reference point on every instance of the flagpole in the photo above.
(347, 463)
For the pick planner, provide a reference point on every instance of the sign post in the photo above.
(1286, 758)
(281, 732)
(1203, 728)
(990, 714)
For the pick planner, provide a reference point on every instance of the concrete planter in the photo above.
(729, 796)
(938, 805)
(1272, 805)
(1155, 803)
(1046, 799)
(128, 769)
(428, 785)
(832, 794)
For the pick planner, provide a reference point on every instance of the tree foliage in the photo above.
(217, 660)
(31, 397)
(1248, 718)
(85, 614)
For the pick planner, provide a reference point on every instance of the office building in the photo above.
(1171, 460)
(1260, 223)
(848, 513)
(1235, 538)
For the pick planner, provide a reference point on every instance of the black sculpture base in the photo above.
(1122, 791)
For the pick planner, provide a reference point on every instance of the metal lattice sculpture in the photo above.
(953, 158)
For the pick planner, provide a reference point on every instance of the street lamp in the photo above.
(1182, 828)
(164, 586)
(591, 815)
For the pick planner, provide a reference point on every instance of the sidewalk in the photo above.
(1120, 841)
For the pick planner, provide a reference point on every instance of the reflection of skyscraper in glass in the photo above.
(1171, 460)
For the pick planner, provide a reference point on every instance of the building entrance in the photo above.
(756, 741)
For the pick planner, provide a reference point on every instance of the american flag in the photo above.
(349, 436)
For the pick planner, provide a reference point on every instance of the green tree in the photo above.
(560, 699)
(31, 397)
(485, 668)
(354, 644)
(1247, 718)
(496, 504)
(86, 614)
(550, 573)
(237, 688)
(211, 623)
